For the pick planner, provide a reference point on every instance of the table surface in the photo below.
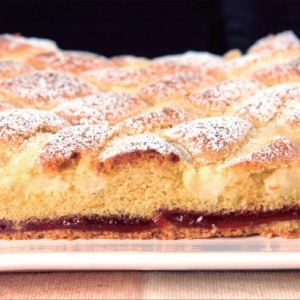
(151, 285)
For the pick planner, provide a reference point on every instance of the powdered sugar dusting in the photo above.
(279, 73)
(209, 139)
(143, 142)
(70, 142)
(174, 87)
(279, 150)
(155, 120)
(192, 59)
(70, 61)
(130, 61)
(5, 105)
(281, 41)
(120, 77)
(10, 43)
(107, 107)
(19, 124)
(218, 97)
(263, 106)
(45, 89)
(14, 68)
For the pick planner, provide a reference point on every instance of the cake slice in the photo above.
(186, 146)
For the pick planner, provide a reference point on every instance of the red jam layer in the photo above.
(232, 220)
(164, 217)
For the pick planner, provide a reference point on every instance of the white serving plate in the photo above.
(253, 253)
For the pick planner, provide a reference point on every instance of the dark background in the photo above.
(150, 28)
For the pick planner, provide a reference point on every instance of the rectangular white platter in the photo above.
(252, 253)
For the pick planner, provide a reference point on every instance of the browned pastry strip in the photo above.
(74, 62)
(17, 47)
(189, 62)
(279, 73)
(264, 53)
(109, 108)
(285, 42)
(9, 68)
(223, 98)
(120, 79)
(43, 89)
(153, 121)
(167, 90)
(264, 106)
(130, 61)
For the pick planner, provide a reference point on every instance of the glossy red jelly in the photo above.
(163, 218)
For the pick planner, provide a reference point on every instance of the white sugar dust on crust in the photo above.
(120, 77)
(19, 124)
(71, 142)
(220, 96)
(155, 120)
(45, 89)
(107, 107)
(13, 68)
(279, 73)
(282, 41)
(280, 150)
(4, 105)
(136, 143)
(174, 86)
(70, 61)
(209, 139)
(9, 42)
(264, 106)
(193, 59)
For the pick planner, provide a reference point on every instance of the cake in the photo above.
(184, 146)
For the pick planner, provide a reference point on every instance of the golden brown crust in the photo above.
(176, 86)
(210, 139)
(137, 149)
(44, 89)
(105, 108)
(18, 47)
(4, 105)
(280, 151)
(74, 62)
(153, 121)
(67, 146)
(130, 61)
(284, 41)
(10, 68)
(279, 73)
(120, 79)
(265, 105)
(16, 125)
(222, 98)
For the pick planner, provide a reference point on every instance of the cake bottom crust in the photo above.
(285, 229)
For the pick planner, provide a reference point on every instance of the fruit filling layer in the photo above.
(177, 218)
